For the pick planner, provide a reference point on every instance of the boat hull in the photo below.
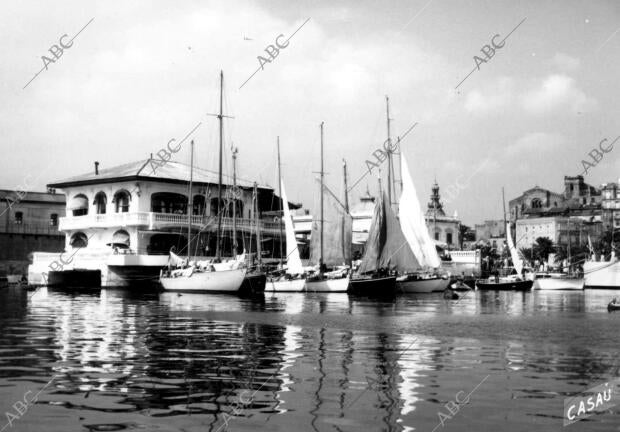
(602, 274)
(422, 285)
(375, 286)
(558, 283)
(328, 285)
(292, 285)
(525, 285)
(78, 279)
(225, 281)
(253, 283)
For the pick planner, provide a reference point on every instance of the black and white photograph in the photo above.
(328, 216)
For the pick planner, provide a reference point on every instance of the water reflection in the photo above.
(310, 362)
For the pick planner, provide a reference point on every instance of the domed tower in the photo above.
(435, 207)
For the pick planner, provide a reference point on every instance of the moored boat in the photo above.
(216, 281)
(330, 242)
(557, 281)
(421, 284)
(504, 284)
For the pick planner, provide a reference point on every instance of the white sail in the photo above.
(517, 262)
(412, 222)
(293, 261)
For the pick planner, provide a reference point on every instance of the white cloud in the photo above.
(565, 63)
(557, 91)
(535, 143)
(496, 97)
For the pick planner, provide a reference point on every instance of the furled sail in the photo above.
(375, 241)
(413, 224)
(337, 233)
(517, 262)
(293, 261)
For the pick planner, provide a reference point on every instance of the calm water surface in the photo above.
(120, 360)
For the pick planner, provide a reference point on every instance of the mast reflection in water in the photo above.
(125, 360)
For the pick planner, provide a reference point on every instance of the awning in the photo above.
(78, 203)
(120, 239)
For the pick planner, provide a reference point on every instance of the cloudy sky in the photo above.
(142, 73)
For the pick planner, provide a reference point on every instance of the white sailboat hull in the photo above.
(602, 274)
(293, 285)
(558, 283)
(328, 285)
(228, 281)
(421, 285)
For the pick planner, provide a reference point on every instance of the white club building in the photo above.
(125, 220)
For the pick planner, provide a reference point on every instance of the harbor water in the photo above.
(123, 360)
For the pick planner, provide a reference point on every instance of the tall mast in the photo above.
(218, 252)
(234, 201)
(568, 252)
(504, 206)
(346, 195)
(322, 214)
(281, 203)
(190, 203)
(258, 238)
(389, 151)
(346, 208)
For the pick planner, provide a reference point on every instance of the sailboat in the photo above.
(205, 276)
(513, 282)
(384, 254)
(330, 243)
(559, 280)
(415, 231)
(293, 278)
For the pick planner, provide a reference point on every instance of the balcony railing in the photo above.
(30, 228)
(153, 220)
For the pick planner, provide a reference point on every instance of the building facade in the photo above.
(444, 229)
(28, 222)
(125, 220)
(567, 218)
(492, 233)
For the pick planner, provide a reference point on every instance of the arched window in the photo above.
(436, 235)
(78, 205)
(536, 203)
(100, 202)
(238, 208)
(120, 239)
(78, 240)
(168, 202)
(121, 201)
(198, 204)
(215, 208)
(449, 238)
(19, 218)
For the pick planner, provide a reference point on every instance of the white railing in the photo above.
(153, 220)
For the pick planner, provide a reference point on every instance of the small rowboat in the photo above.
(612, 306)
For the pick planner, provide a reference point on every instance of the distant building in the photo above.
(492, 233)
(539, 212)
(442, 228)
(28, 222)
(611, 205)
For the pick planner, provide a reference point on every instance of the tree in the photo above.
(542, 248)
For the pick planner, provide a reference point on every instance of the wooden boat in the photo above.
(385, 252)
(423, 276)
(504, 284)
(459, 285)
(330, 242)
(421, 283)
(612, 306)
(293, 278)
(557, 281)
(190, 280)
(217, 277)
